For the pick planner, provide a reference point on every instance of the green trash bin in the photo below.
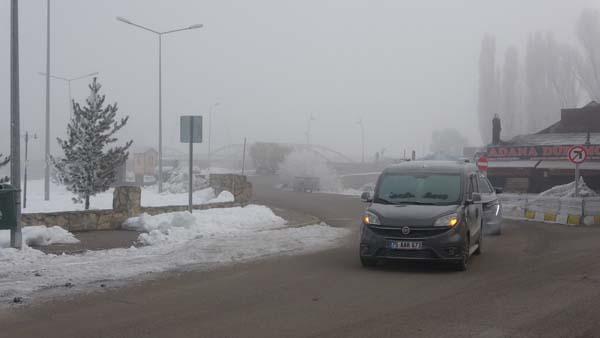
(8, 206)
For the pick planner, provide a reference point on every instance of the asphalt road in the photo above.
(536, 280)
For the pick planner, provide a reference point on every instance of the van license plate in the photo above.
(404, 245)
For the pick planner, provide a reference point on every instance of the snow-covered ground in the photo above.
(62, 200)
(173, 241)
(40, 236)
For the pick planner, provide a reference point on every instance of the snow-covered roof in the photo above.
(555, 139)
(142, 149)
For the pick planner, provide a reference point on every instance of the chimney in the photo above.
(496, 129)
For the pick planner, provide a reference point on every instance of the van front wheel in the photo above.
(463, 263)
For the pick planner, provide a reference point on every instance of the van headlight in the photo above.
(447, 221)
(370, 218)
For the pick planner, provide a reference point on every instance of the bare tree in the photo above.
(588, 32)
(488, 86)
(542, 103)
(561, 69)
(510, 93)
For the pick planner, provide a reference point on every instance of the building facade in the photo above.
(536, 162)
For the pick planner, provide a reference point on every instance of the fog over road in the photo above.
(536, 280)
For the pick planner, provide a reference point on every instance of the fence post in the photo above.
(583, 210)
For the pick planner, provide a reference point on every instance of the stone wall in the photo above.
(238, 185)
(127, 204)
(78, 220)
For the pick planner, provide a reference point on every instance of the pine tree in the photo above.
(3, 161)
(89, 166)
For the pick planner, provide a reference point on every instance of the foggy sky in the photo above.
(405, 67)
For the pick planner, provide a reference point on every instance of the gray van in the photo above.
(492, 207)
(428, 211)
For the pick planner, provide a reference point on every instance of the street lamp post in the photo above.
(159, 35)
(210, 117)
(308, 128)
(26, 165)
(15, 120)
(47, 134)
(68, 81)
(362, 135)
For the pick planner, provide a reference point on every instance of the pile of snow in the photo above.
(183, 226)
(202, 240)
(224, 196)
(151, 197)
(568, 190)
(309, 164)
(40, 236)
(178, 181)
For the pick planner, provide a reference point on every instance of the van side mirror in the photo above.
(498, 190)
(366, 197)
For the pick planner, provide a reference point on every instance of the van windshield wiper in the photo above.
(416, 203)
(383, 201)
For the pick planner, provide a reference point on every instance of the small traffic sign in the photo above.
(577, 154)
(190, 126)
(483, 163)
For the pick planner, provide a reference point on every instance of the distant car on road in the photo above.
(424, 210)
(306, 184)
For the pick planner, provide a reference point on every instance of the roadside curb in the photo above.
(310, 220)
(552, 218)
(314, 220)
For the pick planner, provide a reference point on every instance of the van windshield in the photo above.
(427, 189)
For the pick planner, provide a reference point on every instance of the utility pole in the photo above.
(26, 166)
(244, 158)
(15, 139)
(47, 145)
(308, 128)
(210, 118)
(362, 134)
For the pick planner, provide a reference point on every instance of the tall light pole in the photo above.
(68, 81)
(210, 117)
(362, 135)
(15, 118)
(159, 35)
(308, 128)
(47, 136)
(26, 166)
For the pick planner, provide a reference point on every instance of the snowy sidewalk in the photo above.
(114, 239)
